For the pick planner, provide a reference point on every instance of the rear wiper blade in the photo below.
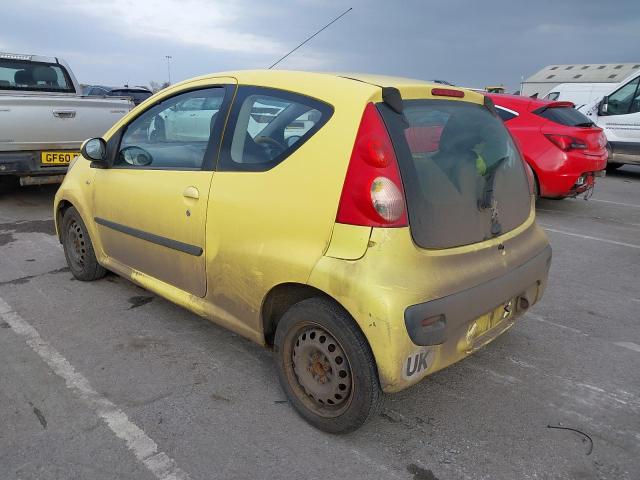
(488, 198)
(584, 124)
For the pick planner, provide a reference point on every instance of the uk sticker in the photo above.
(417, 363)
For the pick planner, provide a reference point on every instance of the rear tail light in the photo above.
(566, 143)
(372, 194)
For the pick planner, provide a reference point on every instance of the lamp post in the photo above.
(169, 57)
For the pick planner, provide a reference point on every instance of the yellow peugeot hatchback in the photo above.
(371, 230)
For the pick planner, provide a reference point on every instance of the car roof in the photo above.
(328, 82)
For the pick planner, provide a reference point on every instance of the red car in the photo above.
(563, 147)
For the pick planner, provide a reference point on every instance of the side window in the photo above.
(552, 95)
(267, 126)
(625, 99)
(505, 115)
(173, 134)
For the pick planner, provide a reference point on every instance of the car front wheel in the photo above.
(78, 248)
(325, 366)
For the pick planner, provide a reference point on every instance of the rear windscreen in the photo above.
(34, 76)
(463, 177)
(568, 116)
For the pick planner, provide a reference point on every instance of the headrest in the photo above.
(45, 74)
(23, 77)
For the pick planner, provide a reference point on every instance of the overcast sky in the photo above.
(467, 42)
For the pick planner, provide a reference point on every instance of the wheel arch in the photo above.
(281, 297)
(61, 208)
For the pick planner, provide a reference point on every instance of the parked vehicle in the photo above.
(618, 113)
(565, 150)
(578, 93)
(137, 94)
(351, 227)
(44, 119)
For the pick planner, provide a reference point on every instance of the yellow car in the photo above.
(370, 230)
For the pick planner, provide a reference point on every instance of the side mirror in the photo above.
(603, 106)
(95, 149)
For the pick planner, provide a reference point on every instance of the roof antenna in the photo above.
(323, 28)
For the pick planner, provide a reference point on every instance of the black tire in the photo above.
(613, 166)
(339, 369)
(78, 248)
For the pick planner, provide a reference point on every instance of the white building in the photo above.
(547, 78)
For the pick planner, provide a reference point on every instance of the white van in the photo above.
(618, 114)
(579, 93)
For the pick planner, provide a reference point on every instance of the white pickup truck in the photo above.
(44, 118)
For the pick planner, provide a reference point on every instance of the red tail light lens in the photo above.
(566, 143)
(372, 194)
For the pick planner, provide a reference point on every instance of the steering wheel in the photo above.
(273, 146)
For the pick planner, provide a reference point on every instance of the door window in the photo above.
(625, 100)
(174, 134)
(268, 126)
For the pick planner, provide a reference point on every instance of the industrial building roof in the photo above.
(586, 72)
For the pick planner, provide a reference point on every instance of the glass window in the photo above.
(463, 176)
(625, 99)
(269, 125)
(553, 68)
(568, 116)
(552, 95)
(173, 134)
(569, 67)
(577, 76)
(585, 67)
(505, 115)
(550, 76)
(34, 76)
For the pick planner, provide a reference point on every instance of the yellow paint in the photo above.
(349, 242)
(263, 229)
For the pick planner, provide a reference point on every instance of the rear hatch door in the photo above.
(464, 179)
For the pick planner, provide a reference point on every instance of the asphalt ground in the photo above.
(105, 380)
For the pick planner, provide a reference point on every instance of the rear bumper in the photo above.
(454, 313)
(561, 177)
(26, 164)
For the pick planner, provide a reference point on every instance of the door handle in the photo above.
(191, 192)
(64, 113)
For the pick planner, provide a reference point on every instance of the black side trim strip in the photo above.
(150, 237)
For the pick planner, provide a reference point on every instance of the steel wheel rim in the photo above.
(76, 245)
(321, 371)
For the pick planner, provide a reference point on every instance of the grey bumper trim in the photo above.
(462, 307)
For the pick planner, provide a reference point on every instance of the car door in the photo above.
(151, 204)
(621, 120)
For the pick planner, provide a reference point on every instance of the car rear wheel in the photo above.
(78, 248)
(325, 366)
